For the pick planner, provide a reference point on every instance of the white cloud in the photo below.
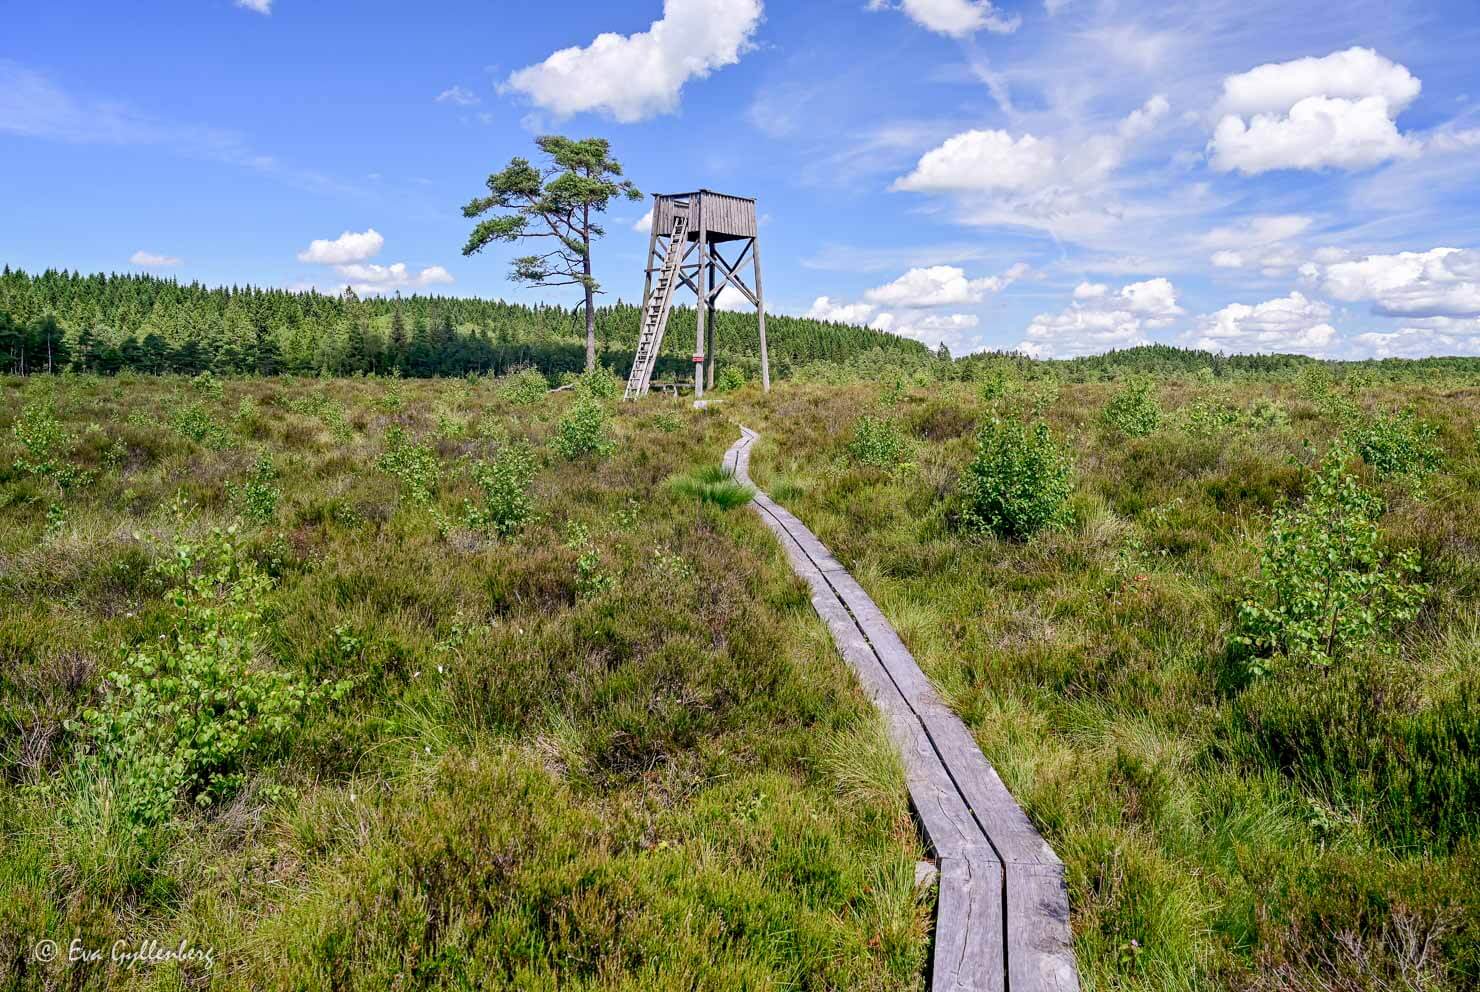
(1099, 320)
(634, 77)
(1054, 184)
(150, 260)
(954, 330)
(260, 6)
(1339, 111)
(1257, 243)
(824, 308)
(1289, 324)
(955, 18)
(733, 300)
(348, 247)
(941, 286)
(645, 222)
(1439, 336)
(459, 96)
(1442, 282)
(370, 279)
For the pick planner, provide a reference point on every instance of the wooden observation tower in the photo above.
(689, 230)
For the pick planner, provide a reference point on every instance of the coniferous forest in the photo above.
(60, 320)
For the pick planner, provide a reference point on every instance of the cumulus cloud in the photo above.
(633, 77)
(941, 286)
(1437, 336)
(954, 330)
(372, 279)
(459, 96)
(1442, 282)
(260, 6)
(825, 308)
(1339, 112)
(645, 222)
(1041, 182)
(1258, 243)
(1292, 323)
(954, 18)
(348, 247)
(149, 259)
(1100, 320)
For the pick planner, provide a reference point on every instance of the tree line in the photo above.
(58, 321)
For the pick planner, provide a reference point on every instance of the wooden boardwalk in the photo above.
(1002, 915)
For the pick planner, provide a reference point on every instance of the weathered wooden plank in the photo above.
(969, 948)
(1003, 912)
(1040, 952)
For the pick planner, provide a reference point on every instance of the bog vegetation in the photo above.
(304, 669)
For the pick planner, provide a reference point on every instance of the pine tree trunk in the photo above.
(590, 296)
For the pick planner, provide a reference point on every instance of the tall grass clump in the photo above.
(711, 484)
(1017, 484)
(1326, 588)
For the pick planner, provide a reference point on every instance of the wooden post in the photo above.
(760, 306)
(697, 203)
(709, 324)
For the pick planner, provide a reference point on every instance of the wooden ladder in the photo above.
(655, 313)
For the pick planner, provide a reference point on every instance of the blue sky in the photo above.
(1060, 176)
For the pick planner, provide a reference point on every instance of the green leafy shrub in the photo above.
(208, 385)
(45, 444)
(1325, 587)
(184, 716)
(524, 387)
(1205, 418)
(193, 422)
(590, 579)
(584, 430)
(877, 441)
(506, 504)
(1266, 415)
(711, 484)
(1133, 411)
(1398, 445)
(601, 383)
(415, 465)
(1018, 483)
(730, 379)
(258, 497)
(667, 422)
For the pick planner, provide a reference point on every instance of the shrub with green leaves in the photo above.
(192, 421)
(1205, 418)
(257, 499)
(1326, 589)
(584, 430)
(601, 383)
(505, 480)
(1018, 483)
(1133, 411)
(524, 387)
(415, 465)
(877, 441)
(590, 579)
(730, 379)
(184, 717)
(1266, 415)
(1398, 444)
(45, 444)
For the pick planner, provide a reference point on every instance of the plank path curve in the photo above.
(1002, 913)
